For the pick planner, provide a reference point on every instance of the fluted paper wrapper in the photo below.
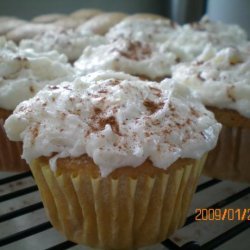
(10, 153)
(117, 213)
(230, 160)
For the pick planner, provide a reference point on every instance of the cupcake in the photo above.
(85, 14)
(22, 74)
(194, 37)
(144, 16)
(116, 159)
(48, 18)
(136, 47)
(68, 42)
(221, 80)
(101, 24)
(146, 60)
(9, 23)
(140, 29)
(29, 30)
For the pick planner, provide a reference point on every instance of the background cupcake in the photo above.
(22, 74)
(116, 159)
(221, 80)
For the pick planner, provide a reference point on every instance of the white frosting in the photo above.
(116, 122)
(143, 30)
(68, 42)
(23, 72)
(191, 39)
(133, 57)
(221, 79)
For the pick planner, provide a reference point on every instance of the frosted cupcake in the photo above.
(22, 74)
(151, 61)
(9, 23)
(68, 42)
(116, 159)
(147, 30)
(221, 80)
(101, 24)
(193, 38)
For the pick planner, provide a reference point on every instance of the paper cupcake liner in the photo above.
(230, 160)
(117, 213)
(10, 153)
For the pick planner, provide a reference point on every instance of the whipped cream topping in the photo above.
(220, 78)
(191, 39)
(23, 72)
(68, 42)
(117, 122)
(147, 30)
(138, 58)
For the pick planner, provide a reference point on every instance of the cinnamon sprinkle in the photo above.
(112, 122)
(136, 51)
(31, 88)
(230, 93)
(152, 106)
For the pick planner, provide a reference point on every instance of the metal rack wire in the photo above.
(237, 193)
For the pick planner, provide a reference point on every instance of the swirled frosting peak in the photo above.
(117, 121)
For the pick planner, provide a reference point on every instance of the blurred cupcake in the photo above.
(22, 74)
(147, 30)
(101, 24)
(221, 80)
(48, 18)
(68, 42)
(116, 159)
(9, 23)
(29, 30)
(149, 61)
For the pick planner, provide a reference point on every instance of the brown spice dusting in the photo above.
(111, 121)
(34, 132)
(194, 112)
(31, 88)
(188, 121)
(97, 110)
(235, 61)
(71, 98)
(136, 51)
(53, 87)
(171, 107)
(152, 106)
(103, 91)
(114, 82)
(155, 91)
(230, 93)
(177, 59)
(156, 122)
(67, 87)
(19, 58)
(199, 62)
(63, 115)
(167, 131)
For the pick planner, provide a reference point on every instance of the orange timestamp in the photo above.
(212, 214)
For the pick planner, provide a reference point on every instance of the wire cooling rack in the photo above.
(24, 225)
